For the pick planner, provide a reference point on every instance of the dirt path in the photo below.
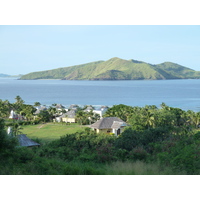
(41, 126)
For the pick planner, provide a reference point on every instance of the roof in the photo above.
(73, 106)
(117, 125)
(107, 122)
(39, 109)
(26, 142)
(89, 108)
(104, 107)
(59, 106)
(70, 114)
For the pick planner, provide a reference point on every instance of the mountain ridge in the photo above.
(117, 69)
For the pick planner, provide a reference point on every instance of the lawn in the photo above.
(50, 131)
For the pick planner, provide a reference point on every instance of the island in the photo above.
(117, 69)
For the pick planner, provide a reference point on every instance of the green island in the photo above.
(156, 141)
(117, 69)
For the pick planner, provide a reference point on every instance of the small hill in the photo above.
(178, 70)
(117, 69)
(4, 75)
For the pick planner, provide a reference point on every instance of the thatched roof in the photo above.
(107, 122)
(73, 106)
(69, 114)
(117, 125)
(39, 109)
(59, 106)
(26, 142)
(89, 108)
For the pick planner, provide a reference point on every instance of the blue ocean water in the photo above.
(184, 94)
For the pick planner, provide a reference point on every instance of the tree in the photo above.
(37, 104)
(44, 116)
(94, 117)
(5, 107)
(194, 118)
(122, 111)
(19, 100)
(16, 129)
(6, 142)
(27, 111)
(149, 120)
(18, 104)
(81, 117)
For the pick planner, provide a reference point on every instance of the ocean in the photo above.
(184, 94)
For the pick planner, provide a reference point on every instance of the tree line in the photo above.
(45, 115)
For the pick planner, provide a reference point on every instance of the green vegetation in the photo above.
(117, 69)
(157, 141)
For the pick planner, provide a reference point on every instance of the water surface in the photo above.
(176, 93)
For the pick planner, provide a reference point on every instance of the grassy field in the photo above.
(50, 131)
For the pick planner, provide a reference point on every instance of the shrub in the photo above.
(138, 153)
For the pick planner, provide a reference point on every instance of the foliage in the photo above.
(7, 144)
(182, 153)
(157, 141)
(44, 116)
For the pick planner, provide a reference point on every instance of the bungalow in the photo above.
(109, 125)
(73, 107)
(89, 108)
(69, 116)
(101, 111)
(15, 116)
(26, 142)
(39, 109)
(59, 106)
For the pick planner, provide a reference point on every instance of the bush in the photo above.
(182, 155)
(80, 168)
(138, 153)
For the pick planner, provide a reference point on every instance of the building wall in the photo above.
(70, 120)
(103, 130)
(115, 130)
(100, 112)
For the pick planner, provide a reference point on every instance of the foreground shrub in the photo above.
(83, 168)
(138, 168)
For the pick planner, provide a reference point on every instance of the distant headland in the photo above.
(117, 69)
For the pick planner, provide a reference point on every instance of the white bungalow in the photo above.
(13, 115)
(101, 111)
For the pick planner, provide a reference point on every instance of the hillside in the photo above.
(117, 69)
(4, 75)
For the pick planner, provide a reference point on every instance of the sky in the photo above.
(29, 48)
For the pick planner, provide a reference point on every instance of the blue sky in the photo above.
(29, 48)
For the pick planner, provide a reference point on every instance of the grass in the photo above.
(138, 168)
(50, 131)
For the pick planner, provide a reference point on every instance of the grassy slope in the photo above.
(50, 131)
(178, 70)
(117, 69)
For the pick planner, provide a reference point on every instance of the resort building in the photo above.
(109, 125)
(26, 142)
(101, 111)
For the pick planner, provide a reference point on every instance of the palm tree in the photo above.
(16, 129)
(148, 117)
(19, 100)
(81, 116)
